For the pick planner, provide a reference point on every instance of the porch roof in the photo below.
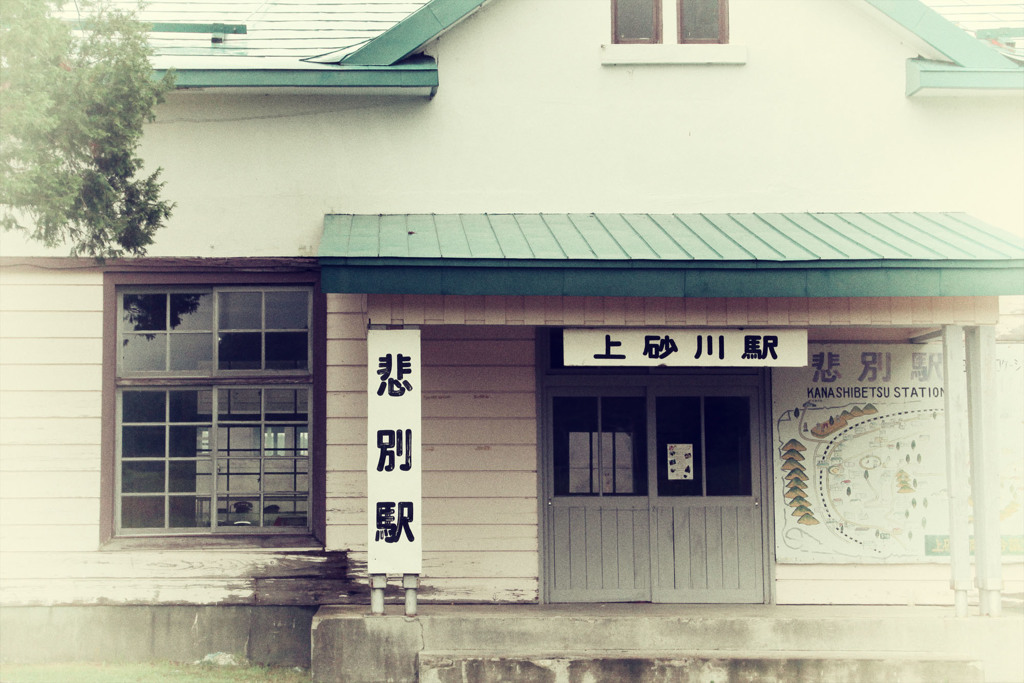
(676, 255)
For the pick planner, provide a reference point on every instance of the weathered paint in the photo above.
(479, 456)
(50, 406)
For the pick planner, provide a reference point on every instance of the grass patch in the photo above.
(148, 672)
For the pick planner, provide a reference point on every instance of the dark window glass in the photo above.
(142, 476)
(241, 310)
(144, 312)
(727, 435)
(679, 428)
(287, 350)
(141, 352)
(287, 310)
(239, 511)
(239, 405)
(142, 442)
(624, 446)
(189, 442)
(286, 405)
(284, 511)
(190, 476)
(142, 513)
(240, 351)
(191, 405)
(703, 21)
(191, 312)
(142, 406)
(637, 21)
(600, 446)
(189, 511)
(190, 352)
(575, 446)
(285, 476)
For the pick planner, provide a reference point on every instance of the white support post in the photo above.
(411, 582)
(957, 445)
(984, 437)
(377, 585)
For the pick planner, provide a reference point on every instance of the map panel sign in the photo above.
(859, 455)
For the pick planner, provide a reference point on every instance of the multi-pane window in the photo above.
(213, 405)
(698, 21)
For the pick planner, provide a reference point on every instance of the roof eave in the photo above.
(928, 77)
(815, 279)
(414, 78)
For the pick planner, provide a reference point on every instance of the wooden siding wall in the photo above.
(51, 336)
(479, 455)
(412, 309)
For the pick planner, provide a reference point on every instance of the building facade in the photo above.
(611, 233)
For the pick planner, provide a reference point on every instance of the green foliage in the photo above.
(72, 108)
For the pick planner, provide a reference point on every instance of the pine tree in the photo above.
(73, 101)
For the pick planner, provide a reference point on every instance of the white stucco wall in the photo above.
(528, 119)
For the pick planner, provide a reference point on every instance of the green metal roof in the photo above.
(706, 255)
(410, 34)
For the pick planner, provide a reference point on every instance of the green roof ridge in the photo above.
(408, 35)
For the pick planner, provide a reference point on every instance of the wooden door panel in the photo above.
(707, 553)
(601, 551)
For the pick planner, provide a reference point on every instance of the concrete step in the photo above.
(665, 643)
(695, 667)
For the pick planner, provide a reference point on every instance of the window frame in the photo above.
(657, 32)
(723, 25)
(164, 275)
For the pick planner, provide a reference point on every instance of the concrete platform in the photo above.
(644, 642)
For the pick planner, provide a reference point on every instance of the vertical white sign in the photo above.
(393, 469)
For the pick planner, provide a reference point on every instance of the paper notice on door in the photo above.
(680, 461)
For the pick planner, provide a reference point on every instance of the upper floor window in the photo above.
(696, 21)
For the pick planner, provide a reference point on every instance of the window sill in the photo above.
(693, 54)
(219, 541)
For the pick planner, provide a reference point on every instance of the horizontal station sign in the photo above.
(684, 347)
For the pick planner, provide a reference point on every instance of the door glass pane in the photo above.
(624, 446)
(680, 471)
(727, 437)
(575, 445)
(600, 458)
